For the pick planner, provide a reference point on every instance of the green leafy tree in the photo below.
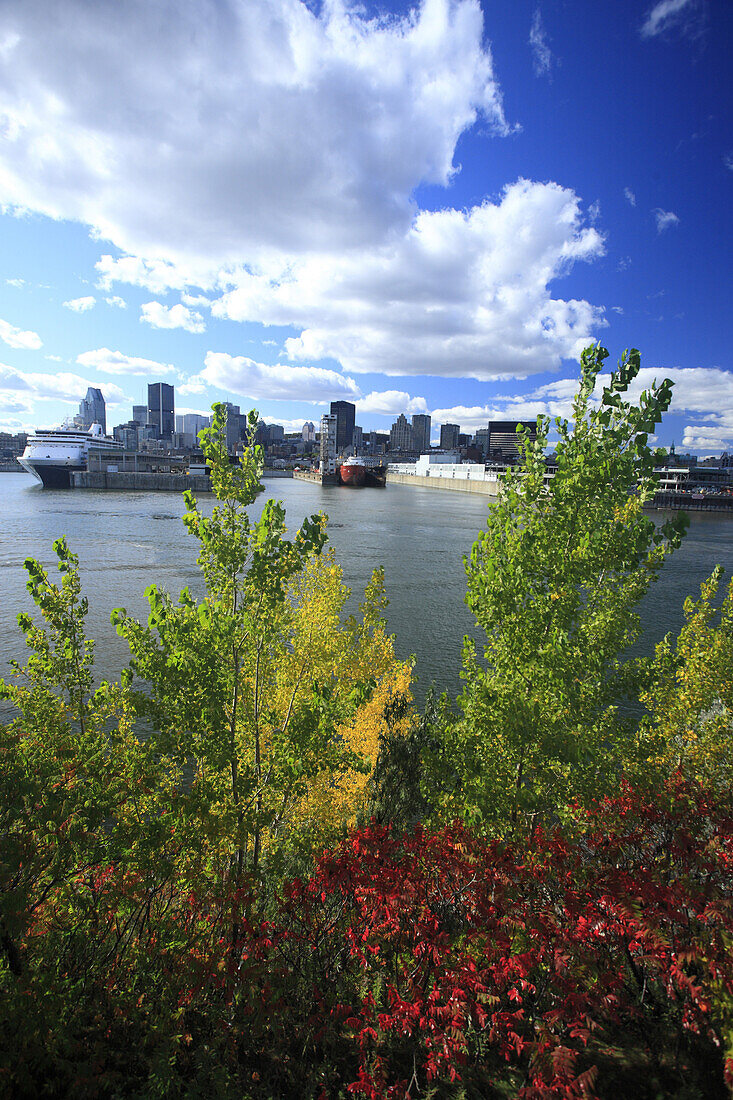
(73, 775)
(246, 690)
(554, 581)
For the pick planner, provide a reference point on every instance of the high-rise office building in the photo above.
(234, 424)
(504, 438)
(309, 432)
(193, 423)
(140, 413)
(161, 409)
(92, 409)
(345, 414)
(449, 436)
(400, 435)
(421, 433)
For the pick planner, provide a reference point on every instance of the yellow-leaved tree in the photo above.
(690, 702)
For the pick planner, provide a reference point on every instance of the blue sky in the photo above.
(419, 207)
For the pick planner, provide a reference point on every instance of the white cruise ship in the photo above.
(52, 454)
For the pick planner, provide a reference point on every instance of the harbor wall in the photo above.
(150, 482)
(315, 477)
(460, 485)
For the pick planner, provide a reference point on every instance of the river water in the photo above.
(125, 541)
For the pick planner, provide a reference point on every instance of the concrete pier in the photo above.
(455, 485)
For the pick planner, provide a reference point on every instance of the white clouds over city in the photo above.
(116, 362)
(236, 374)
(17, 338)
(464, 293)
(19, 389)
(178, 316)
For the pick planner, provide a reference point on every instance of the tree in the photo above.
(248, 692)
(73, 775)
(554, 581)
(690, 699)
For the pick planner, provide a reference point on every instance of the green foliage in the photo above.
(246, 690)
(554, 581)
(72, 773)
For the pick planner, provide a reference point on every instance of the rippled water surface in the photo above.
(127, 540)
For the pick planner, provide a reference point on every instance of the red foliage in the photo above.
(533, 959)
(571, 967)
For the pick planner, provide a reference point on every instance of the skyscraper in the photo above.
(400, 435)
(504, 438)
(345, 414)
(140, 413)
(92, 409)
(449, 436)
(161, 412)
(421, 432)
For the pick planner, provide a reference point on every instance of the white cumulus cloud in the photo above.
(260, 381)
(390, 402)
(463, 294)
(116, 362)
(64, 386)
(178, 316)
(223, 127)
(17, 338)
(117, 302)
(81, 305)
(630, 196)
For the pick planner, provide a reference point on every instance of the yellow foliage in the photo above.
(691, 700)
(335, 798)
(354, 664)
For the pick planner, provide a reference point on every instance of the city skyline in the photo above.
(451, 205)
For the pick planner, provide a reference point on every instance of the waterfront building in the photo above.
(92, 410)
(161, 409)
(400, 435)
(449, 437)
(329, 431)
(345, 414)
(421, 424)
(504, 439)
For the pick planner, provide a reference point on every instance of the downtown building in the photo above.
(92, 410)
(345, 414)
(161, 411)
(421, 425)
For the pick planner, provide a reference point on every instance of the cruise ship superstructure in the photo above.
(52, 454)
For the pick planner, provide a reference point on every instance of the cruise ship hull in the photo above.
(52, 475)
